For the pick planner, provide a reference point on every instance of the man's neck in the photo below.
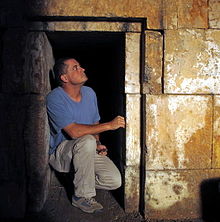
(73, 91)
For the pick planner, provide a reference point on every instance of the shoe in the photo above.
(88, 205)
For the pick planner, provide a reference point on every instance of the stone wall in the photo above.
(181, 87)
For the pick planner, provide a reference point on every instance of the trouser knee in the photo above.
(87, 143)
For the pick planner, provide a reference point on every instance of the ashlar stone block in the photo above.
(150, 9)
(216, 133)
(170, 14)
(153, 63)
(133, 130)
(132, 63)
(192, 59)
(182, 194)
(193, 14)
(178, 132)
(214, 14)
(132, 189)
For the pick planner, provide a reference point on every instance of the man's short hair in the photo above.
(60, 68)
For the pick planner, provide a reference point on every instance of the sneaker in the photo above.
(88, 205)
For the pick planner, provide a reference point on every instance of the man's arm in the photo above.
(75, 130)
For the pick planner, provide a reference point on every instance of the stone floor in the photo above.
(58, 208)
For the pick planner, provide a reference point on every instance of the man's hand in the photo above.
(117, 122)
(101, 150)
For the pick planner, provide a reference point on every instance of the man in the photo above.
(74, 128)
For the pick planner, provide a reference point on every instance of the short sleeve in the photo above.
(59, 114)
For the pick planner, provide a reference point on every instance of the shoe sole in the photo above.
(87, 211)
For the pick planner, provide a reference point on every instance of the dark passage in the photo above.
(102, 55)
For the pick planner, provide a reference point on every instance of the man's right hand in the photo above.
(117, 122)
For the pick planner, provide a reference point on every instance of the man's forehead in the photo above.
(72, 62)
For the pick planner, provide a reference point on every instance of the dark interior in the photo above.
(102, 54)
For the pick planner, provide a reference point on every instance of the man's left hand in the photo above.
(102, 150)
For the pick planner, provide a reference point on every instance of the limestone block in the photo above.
(36, 134)
(132, 63)
(192, 59)
(216, 133)
(214, 14)
(170, 14)
(193, 14)
(132, 189)
(178, 132)
(153, 63)
(132, 130)
(182, 194)
(150, 9)
(96, 26)
(38, 62)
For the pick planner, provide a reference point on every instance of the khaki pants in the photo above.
(91, 170)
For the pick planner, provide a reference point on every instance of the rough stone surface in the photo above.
(193, 14)
(192, 59)
(37, 148)
(132, 130)
(214, 14)
(132, 189)
(216, 133)
(132, 63)
(182, 194)
(150, 9)
(32, 58)
(178, 132)
(39, 62)
(153, 63)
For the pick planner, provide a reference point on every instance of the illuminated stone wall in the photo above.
(182, 73)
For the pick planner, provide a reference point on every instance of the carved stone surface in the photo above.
(178, 132)
(192, 59)
(182, 194)
(153, 63)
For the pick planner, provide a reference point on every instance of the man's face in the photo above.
(75, 73)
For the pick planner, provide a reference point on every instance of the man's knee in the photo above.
(116, 181)
(88, 143)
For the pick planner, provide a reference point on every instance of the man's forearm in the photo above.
(77, 130)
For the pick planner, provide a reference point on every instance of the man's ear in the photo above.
(64, 78)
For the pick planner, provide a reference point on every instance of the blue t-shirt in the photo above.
(62, 111)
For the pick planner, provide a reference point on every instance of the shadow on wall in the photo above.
(210, 200)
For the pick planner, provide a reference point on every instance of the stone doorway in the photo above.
(110, 52)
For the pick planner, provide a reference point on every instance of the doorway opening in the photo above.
(102, 54)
